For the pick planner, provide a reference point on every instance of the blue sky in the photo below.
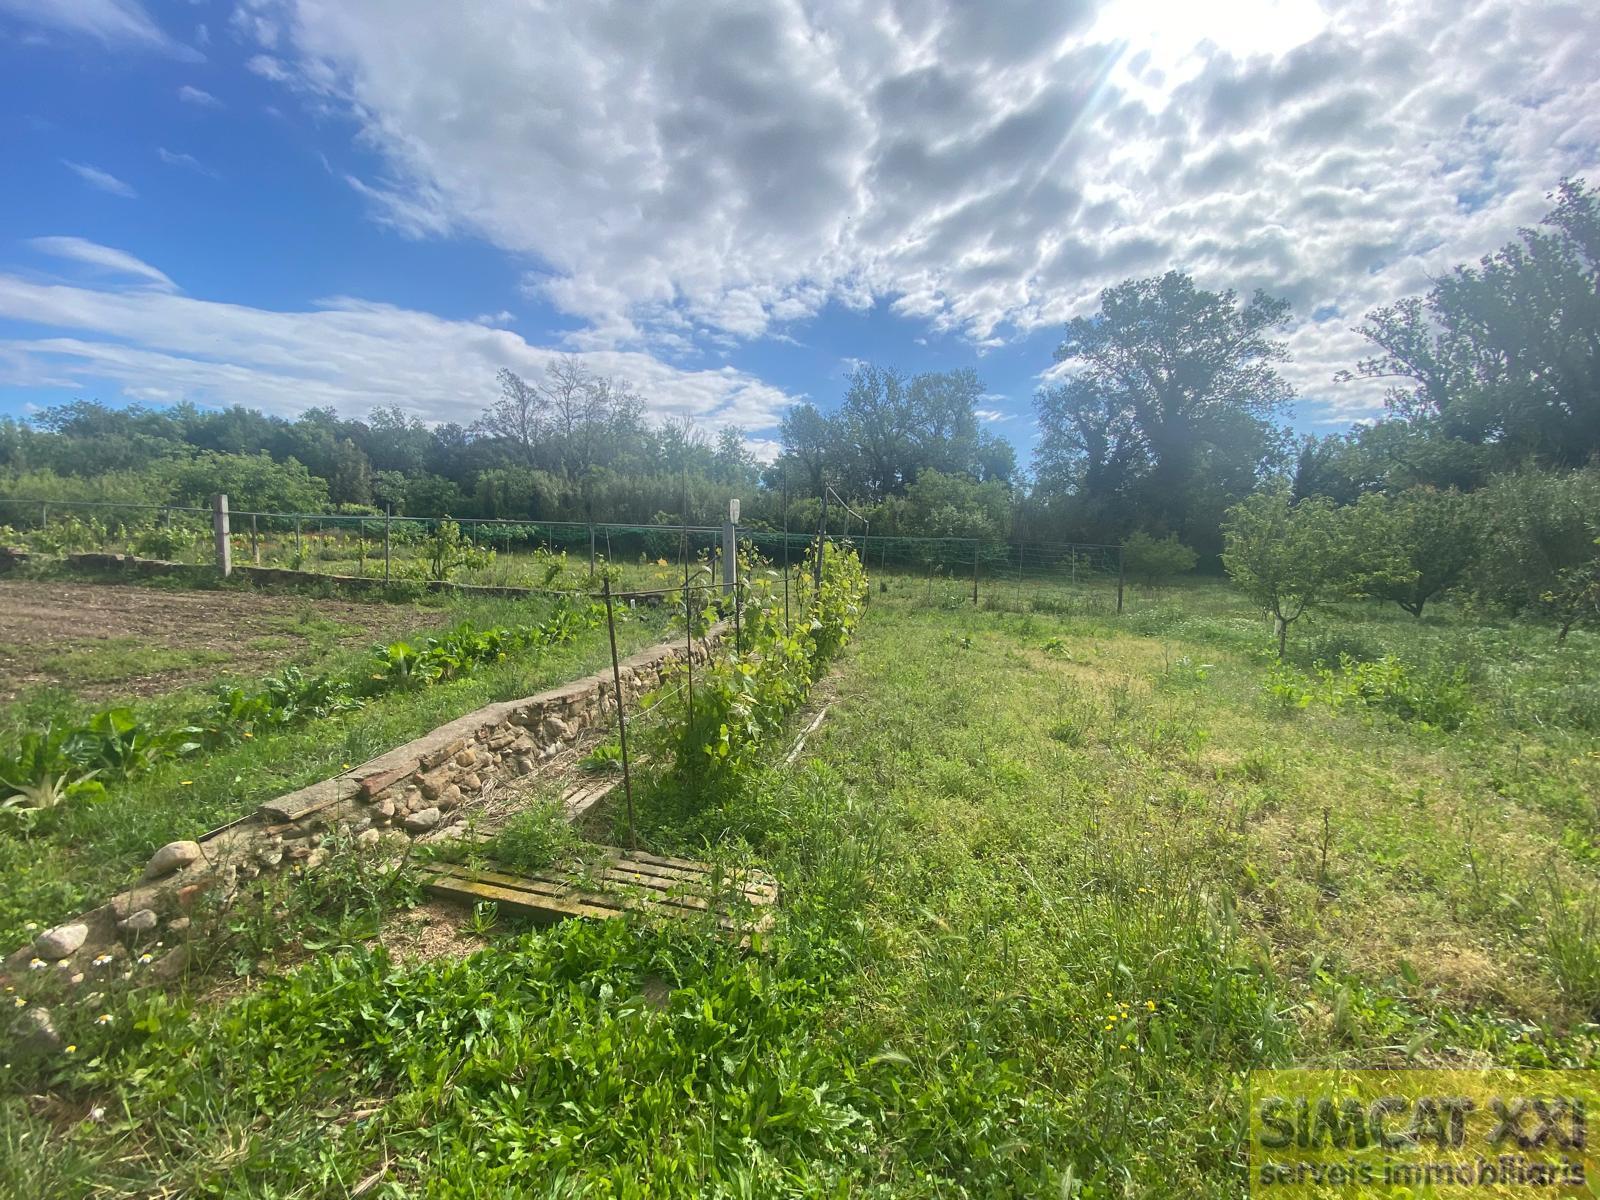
(295, 202)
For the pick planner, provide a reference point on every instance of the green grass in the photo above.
(1052, 882)
(111, 659)
(90, 850)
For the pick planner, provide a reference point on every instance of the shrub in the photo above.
(448, 550)
(1152, 561)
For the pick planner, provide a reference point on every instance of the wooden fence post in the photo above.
(219, 530)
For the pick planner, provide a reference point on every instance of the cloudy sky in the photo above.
(358, 202)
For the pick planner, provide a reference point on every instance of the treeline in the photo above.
(1165, 413)
(573, 446)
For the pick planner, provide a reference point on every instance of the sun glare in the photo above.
(1177, 36)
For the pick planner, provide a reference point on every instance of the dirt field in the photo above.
(104, 640)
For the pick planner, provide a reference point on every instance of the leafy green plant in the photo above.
(743, 696)
(604, 758)
(68, 534)
(485, 916)
(170, 542)
(43, 773)
(119, 743)
(533, 839)
(448, 550)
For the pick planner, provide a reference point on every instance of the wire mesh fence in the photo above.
(567, 555)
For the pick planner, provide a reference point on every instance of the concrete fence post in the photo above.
(219, 530)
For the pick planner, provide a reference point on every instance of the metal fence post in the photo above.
(738, 598)
(388, 515)
(591, 549)
(298, 557)
(219, 530)
(622, 719)
(688, 629)
(729, 556)
(255, 541)
(1119, 580)
(974, 572)
(822, 541)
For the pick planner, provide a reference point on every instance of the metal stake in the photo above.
(622, 719)
(388, 515)
(688, 626)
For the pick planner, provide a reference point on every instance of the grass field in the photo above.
(1053, 881)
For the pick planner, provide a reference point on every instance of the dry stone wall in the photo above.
(420, 789)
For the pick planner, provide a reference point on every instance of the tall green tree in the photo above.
(1173, 390)
(1505, 355)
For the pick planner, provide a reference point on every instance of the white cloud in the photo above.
(682, 171)
(197, 96)
(113, 22)
(103, 180)
(992, 414)
(189, 162)
(765, 450)
(103, 258)
(267, 67)
(347, 353)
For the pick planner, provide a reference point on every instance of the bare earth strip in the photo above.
(65, 633)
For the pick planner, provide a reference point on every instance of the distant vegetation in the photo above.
(1166, 414)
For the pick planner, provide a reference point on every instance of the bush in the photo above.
(1539, 554)
(1151, 561)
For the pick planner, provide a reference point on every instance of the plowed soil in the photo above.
(105, 640)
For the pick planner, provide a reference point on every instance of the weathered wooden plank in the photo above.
(560, 889)
(619, 883)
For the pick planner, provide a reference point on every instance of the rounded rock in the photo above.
(172, 857)
(421, 822)
(142, 921)
(62, 941)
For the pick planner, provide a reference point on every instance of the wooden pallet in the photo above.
(616, 883)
